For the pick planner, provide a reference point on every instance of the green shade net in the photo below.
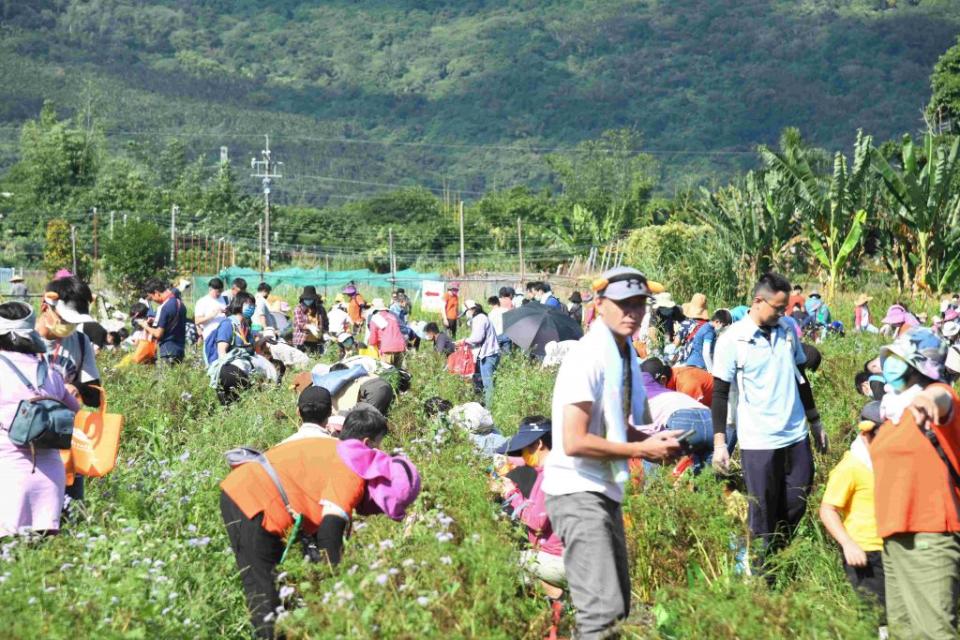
(298, 278)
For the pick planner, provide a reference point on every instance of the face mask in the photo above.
(531, 459)
(895, 372)
(248, 311)
(61, 329)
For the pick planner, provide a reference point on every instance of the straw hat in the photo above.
(377, 305)
(16, 278)
(664, 300)
(862, 299)
(697, 307)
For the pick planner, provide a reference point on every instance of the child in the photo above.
(847, 511)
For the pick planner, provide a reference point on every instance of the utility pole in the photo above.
(73, 243)
(173, 235)
(520, 247)
(462, 261)
(96, 245)
(265, 169)
(260, 246)
(393, 265)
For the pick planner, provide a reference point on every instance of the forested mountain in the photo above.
(472, 92)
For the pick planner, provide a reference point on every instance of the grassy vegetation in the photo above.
(147, 555)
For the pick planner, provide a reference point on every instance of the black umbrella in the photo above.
(533, 325)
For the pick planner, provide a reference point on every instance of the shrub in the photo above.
(686, 258)
(138, 251)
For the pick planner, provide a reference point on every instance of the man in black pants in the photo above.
(762, 356)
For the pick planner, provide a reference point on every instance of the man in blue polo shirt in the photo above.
(775, 412)
(170, 327)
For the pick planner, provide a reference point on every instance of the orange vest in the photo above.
(310, 470)
(355, 308)
(915, 493)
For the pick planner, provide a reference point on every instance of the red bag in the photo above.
(461, 361)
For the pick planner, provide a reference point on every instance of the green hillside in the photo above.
(472, 92)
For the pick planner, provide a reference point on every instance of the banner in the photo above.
(432, 295)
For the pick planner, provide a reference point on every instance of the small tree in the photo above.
(138, 251)
(57, 250)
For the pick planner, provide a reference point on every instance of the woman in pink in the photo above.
(33, 481)
(386, 335)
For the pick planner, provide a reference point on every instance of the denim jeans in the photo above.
(485, 370)
(700, 445)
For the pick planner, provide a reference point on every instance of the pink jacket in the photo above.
(388, 339)
(393, 483)
(533, 513)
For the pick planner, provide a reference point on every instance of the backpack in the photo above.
(42, 422)
(686, 348)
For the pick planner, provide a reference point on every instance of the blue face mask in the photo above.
(248, 311)
(895, 373)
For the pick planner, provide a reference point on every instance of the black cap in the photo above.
(315, 404)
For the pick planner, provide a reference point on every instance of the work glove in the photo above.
(817, 431)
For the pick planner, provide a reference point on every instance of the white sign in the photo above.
(432, 295)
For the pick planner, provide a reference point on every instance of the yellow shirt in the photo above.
(850, 489)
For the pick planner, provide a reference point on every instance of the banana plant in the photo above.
(754, 219)
(925, 207)
(834, 208)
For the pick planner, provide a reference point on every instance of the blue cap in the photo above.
(527, 435)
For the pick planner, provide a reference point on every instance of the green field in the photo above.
(147, 556)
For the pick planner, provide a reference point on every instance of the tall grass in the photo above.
(147, 556)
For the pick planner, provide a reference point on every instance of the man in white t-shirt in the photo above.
(209, 309)
(585, 474)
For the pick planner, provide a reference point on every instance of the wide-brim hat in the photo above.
(67, 311)
(953, 359)
(526, 436)
(350, 290)
(309, 292)
(377, 305)
(16, 279)
(454, 286)
(697, 307)
(896, 314)
(815, 294)
(862, 299)
(951, 314)
(950, 329)
(664, 300)
(920, 348)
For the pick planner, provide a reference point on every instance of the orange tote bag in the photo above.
(96, 442)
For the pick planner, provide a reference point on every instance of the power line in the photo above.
(157, 133)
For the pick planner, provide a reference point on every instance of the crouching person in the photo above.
(544, 558)
(325, 482)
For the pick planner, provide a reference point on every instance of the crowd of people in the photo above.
(651, 383)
